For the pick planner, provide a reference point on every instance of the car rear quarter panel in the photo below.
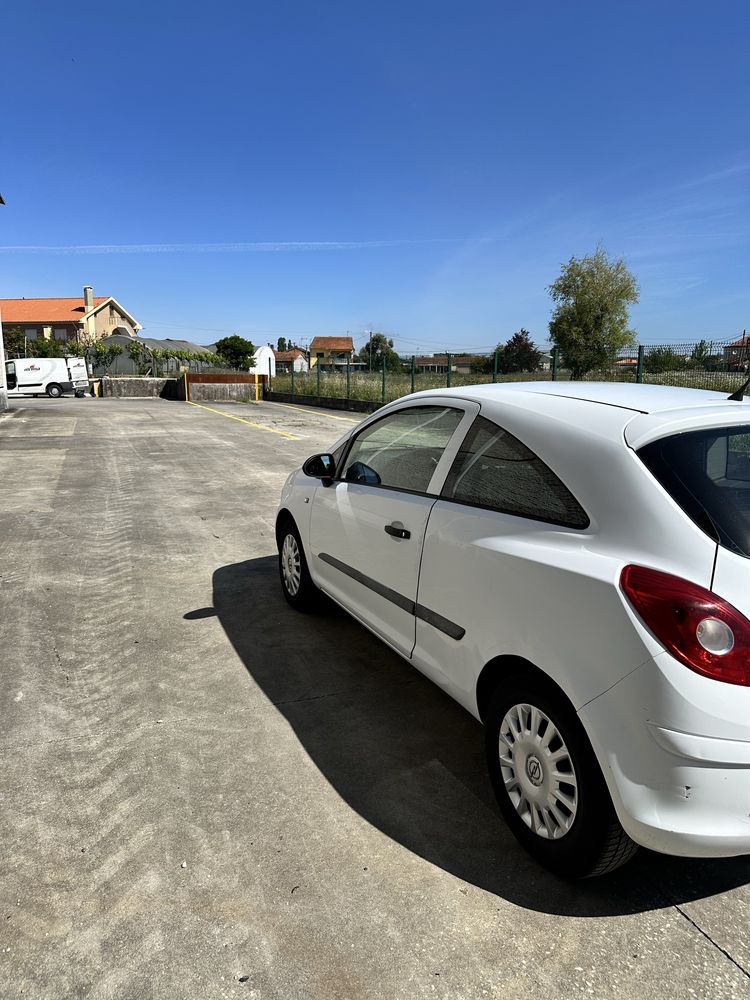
(551, 594)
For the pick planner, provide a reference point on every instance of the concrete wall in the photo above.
(328, 402)
(226, 392)
(127, 388)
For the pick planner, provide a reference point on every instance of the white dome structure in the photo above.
(261, 359)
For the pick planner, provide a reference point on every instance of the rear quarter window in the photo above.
(708, 474)
(494, 469)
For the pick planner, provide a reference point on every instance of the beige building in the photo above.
(331, 351)
(88, 318)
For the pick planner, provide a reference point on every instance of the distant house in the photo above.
(432, 363)
(331, 351)
(295, 359)
(87, 318)
(460, 363)
(737, 354)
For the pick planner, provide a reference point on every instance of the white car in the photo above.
(569, 561)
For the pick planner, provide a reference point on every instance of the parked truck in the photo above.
(46, 376)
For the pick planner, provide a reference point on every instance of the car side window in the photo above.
(494, 469)
(403, 449)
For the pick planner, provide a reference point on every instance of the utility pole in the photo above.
(3, 379)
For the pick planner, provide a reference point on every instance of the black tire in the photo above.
(293, 568)
(54, 391)
(80, 393)
(580, 834)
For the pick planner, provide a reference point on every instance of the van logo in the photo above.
(32, 368)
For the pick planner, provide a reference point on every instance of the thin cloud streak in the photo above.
(256, 247)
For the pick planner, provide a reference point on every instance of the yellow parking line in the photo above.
(317, 413)
(242, 420)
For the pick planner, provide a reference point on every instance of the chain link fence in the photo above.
(719, 365)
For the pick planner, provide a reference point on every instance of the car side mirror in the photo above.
(321, 467)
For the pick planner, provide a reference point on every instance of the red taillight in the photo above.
(698, 628)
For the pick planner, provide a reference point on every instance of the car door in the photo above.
(495, 563)
(10, 377)
(367, 528)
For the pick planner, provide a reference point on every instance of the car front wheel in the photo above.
(296, 582)
(548, 782)
(54, 391)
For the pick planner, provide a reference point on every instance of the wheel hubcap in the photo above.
(291, 566)
(538, 771)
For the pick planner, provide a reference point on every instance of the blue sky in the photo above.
(421, 168)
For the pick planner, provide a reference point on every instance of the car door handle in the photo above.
(397, 530)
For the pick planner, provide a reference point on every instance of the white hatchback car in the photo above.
(570, 563)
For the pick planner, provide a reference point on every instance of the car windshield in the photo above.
(708, 473)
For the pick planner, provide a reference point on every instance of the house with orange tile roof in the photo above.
(737, 354)
(86, 318)
(294, 358)
(331, 351)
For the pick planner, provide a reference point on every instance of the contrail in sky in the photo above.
(257, 247)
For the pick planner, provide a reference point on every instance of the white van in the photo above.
(53, 376)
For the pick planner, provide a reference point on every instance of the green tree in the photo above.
(236, 351)
(281, 344)
(481, 364)
(590, 320)
(663, 359)
(104, 356)
(377, 350)
(15, 341)
(43, 348)
(519, 354)
(700, 354)
(140, 356)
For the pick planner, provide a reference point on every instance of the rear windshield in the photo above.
(708, 474)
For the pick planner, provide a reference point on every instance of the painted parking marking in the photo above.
(316, 413)
(242, 420)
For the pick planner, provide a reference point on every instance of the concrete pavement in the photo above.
(206, 795)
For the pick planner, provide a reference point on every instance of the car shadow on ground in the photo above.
(410, 760)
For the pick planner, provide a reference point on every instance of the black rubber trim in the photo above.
(442, 624)
(437, 621)
(367, 581)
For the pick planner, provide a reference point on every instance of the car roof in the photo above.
(627, 395)
(647, 412)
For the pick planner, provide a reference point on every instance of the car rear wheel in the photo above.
(548, 782)
(296, 582)
(54, 390)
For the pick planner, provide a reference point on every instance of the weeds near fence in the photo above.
(721, 366)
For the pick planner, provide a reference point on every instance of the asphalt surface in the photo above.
(206, 795)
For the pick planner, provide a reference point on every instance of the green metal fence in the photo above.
(720, 365)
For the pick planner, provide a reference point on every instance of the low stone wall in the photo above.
(127, 388)
(328, 402)
(223, 392)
